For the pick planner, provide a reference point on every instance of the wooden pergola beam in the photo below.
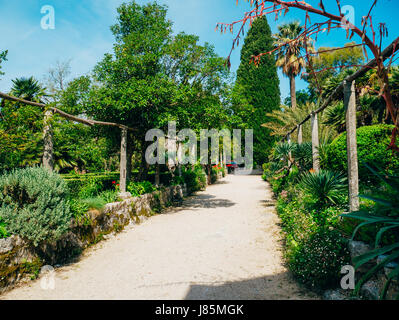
(65, 115)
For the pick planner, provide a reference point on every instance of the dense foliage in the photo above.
(35, 211)
(195, 178)
(325, 186)
(309, 205)
(139, 188)
(318, 261)
(3, 57)
(372, 149)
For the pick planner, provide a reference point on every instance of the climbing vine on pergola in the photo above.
(370, 33)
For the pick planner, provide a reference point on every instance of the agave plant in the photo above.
(283, 151)
(326, 187)
(387, 219)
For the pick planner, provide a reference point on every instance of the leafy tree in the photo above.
(21, 126)
(330, 62)
(3, 57)
(199, 76)
(21, 134)
(77, 146)
(302, 97)
(256, 91)
(153, 77)
(131, 89)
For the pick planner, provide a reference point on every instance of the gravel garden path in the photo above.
(223, 243)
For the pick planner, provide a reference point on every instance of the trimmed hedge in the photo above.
(100, 182)
(372, 149)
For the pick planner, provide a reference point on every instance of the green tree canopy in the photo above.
(3, 57)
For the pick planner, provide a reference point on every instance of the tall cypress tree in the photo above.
(257, 88)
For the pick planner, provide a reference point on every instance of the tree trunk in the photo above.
(293, 92)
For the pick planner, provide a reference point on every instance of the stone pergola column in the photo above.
(157, 175)
(353, 166)
(48, 152)
(123, 161)
(300, 134)
(315, 142)
(290, 153)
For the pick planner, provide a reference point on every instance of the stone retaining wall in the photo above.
(19, 260)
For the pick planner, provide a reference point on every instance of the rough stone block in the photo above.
(6, 245)
(334, 295)
(357, 248)
(371, 290)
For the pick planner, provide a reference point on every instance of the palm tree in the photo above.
(289, 57)
(283, 120)
(27, 89)
(30, 89)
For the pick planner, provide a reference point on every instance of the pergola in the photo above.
(48, 154)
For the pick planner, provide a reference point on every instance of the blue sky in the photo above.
(82, 31)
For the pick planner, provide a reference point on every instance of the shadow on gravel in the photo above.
(271, 287)
(268, 203)
(205, 201)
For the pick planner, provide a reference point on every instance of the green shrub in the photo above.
(91, 188)
(372, 149)
(178, 180)
(296, 223)
(34, 205)
(329, 217)
(317, 261)
(195, 178)
(96, 203)
(214, 175)
(91, 184)
(267, 174)
(109, 196)
(78, 208)
(139, 188)
(303, 155)
(278, 185)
